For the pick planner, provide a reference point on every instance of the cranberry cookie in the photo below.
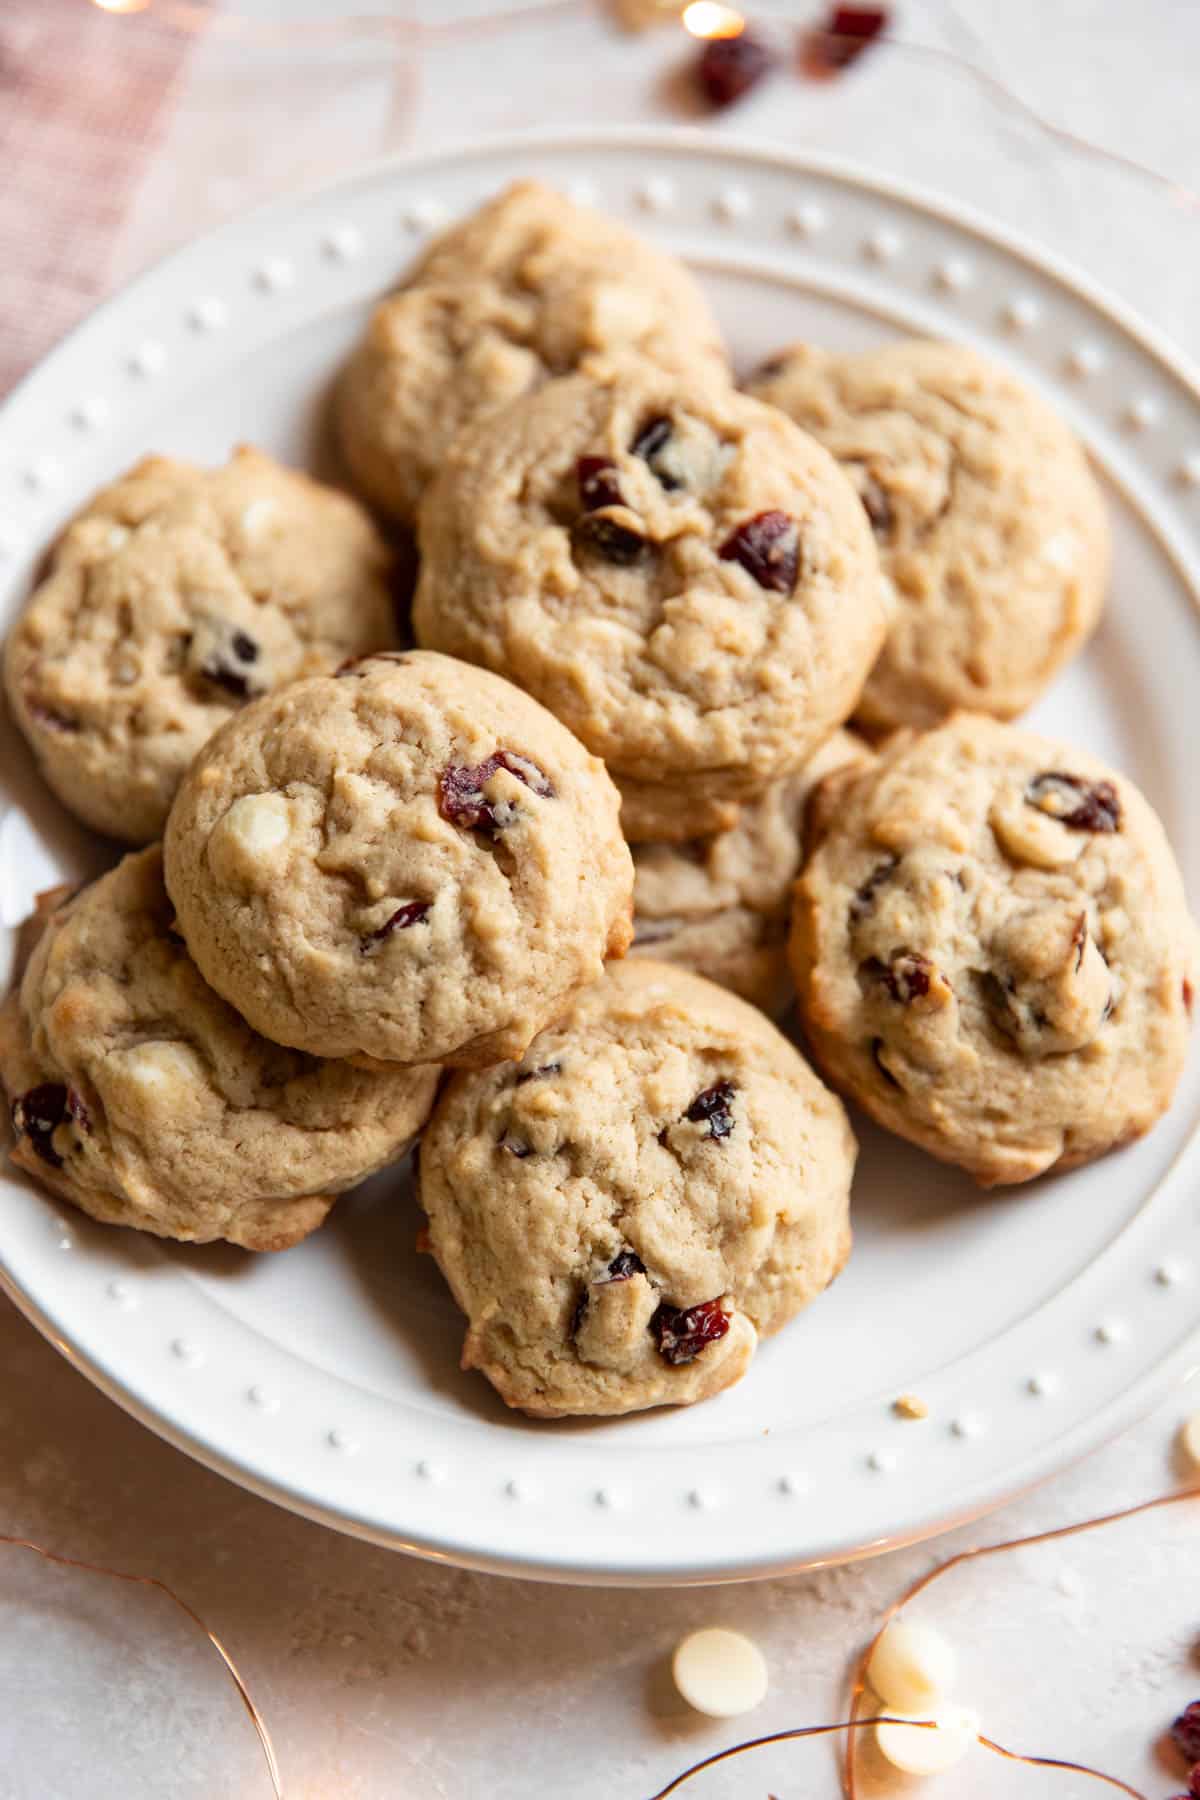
(720, 905)
(993, 951)
(145, 1100)
(990, 526)
(175, 596)
(410, 860)
(676, 571)
(528, 287)
(660, 1182)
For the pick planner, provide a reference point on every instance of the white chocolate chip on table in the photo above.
(720, 1672)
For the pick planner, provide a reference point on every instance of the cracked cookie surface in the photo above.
(686, 579)
(527, 288)
(721, 904)
(410, 860)
(992, 949)
(990, 526)
(142, 1098)
(660, 1182)
(176, 595)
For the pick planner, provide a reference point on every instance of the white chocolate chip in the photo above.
(256, 515)
(1189, 1438)
(1061, 552)
(719, 1672)
(160, 1063)
(929, 1752)
(912, 1666)
(1027, 835)
(254, 827)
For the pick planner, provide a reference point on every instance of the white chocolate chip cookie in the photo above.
(676, 571)
(721, 904)
(410, 860)
(661, 1182)
(176, 595)
(142, 1098)
(990, 526)
(528, 287)
(992, 949)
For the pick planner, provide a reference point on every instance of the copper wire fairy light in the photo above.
(153, 1581)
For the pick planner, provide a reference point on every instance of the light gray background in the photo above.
(383, 1677)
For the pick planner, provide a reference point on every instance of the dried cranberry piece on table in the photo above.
(1185, 1732)
(682, 1332)
(1082, 805)
(730, 66)
(767, 547)
(712, 1106)
(596, 479)
(461, 797)
(842, 37)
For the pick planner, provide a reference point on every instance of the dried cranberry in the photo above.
(712, 1108)
(768, 547)
(624, 1264)
(596, 478)
(863, 901)
(730, 66)
(1189, 995)
(650, 443)
(461, 797)
(516, 1147)
(1194, 1783)
(229, 666)
(906, 976)
(877, 505)
(682, 1333)
(38, 1114)
(842, 38)
(413, 912)
(539, 1074)
(1083, 805)
(1185, 1732)
(604, 536)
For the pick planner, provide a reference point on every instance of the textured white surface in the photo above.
(382, 1676)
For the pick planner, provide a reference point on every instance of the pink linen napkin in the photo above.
(83, 98)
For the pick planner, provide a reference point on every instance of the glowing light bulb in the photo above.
(706, 19)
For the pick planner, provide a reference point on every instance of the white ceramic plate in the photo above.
(1032, 1322)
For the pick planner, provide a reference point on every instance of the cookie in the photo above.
(992, 949)
(990, 526)
(172, 598)
(662, 1181)
(143, 1099)
(528, 287)
(720, 905)
(675, 570)
(410, 860)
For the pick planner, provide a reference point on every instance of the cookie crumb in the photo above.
(910, 1406)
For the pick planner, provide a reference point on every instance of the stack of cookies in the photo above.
(694, 664)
